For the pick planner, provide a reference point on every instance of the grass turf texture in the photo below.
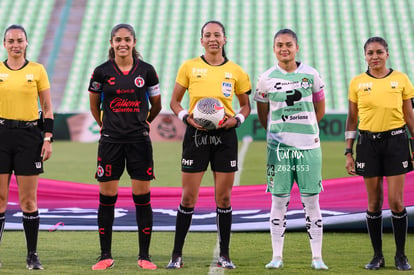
(65, 252)
(76, 162)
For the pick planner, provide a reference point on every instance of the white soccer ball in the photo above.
(209, 113)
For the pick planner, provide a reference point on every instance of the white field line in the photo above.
(242, 155)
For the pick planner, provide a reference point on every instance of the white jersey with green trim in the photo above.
(292, 119)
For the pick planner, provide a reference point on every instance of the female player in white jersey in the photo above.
(290, 103)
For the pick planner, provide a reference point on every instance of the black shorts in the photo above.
(383, 154)
(112, 158)
(217, 147)
(20, 150)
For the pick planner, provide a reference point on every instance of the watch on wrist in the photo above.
(348, 151)
(50, 139)
(238, 122)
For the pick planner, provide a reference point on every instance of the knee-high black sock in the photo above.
(182, 225)
(374, 225)
(31, 229)
(224, 219)
(143, 214)
(399, 226)
(105, 221)
(2, 223)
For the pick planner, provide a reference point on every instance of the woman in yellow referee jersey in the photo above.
(23, 146)
(380, 99)
(210, 75)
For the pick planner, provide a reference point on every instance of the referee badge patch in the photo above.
(226, 88)
(139, 82)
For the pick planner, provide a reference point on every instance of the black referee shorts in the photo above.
(383, 154)
(113, 157)
(217, 147)
(20, 150)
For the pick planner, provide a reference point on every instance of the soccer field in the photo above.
(74, 252)
(65, 252)
(73, 161)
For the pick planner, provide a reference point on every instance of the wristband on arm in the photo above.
(183, 115)
(240, 119)
(48, 125)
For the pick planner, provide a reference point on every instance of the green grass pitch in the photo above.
(73, 252)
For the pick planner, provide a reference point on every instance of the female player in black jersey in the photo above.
(128, 90)
(23, 84)
(210, 75)
(381, 99)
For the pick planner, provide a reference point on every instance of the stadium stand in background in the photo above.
(71, 37)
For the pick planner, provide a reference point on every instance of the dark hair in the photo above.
(286, 31)
(378, 40)
(222, 28)
(16, 27)
(135, 53)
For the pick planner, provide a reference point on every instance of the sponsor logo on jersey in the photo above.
(226, 88)
(121, 105)
(294, 117)
(228, 75)
(3, 77)
(29, 77)
(139, 82)
(394, 84)
(292, 96)
(125, 91)
(366, 87)
(199, 72)
(111, 81)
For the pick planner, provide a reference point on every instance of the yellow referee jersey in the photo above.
(19, 91)
(380, 100)
(221, 82)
